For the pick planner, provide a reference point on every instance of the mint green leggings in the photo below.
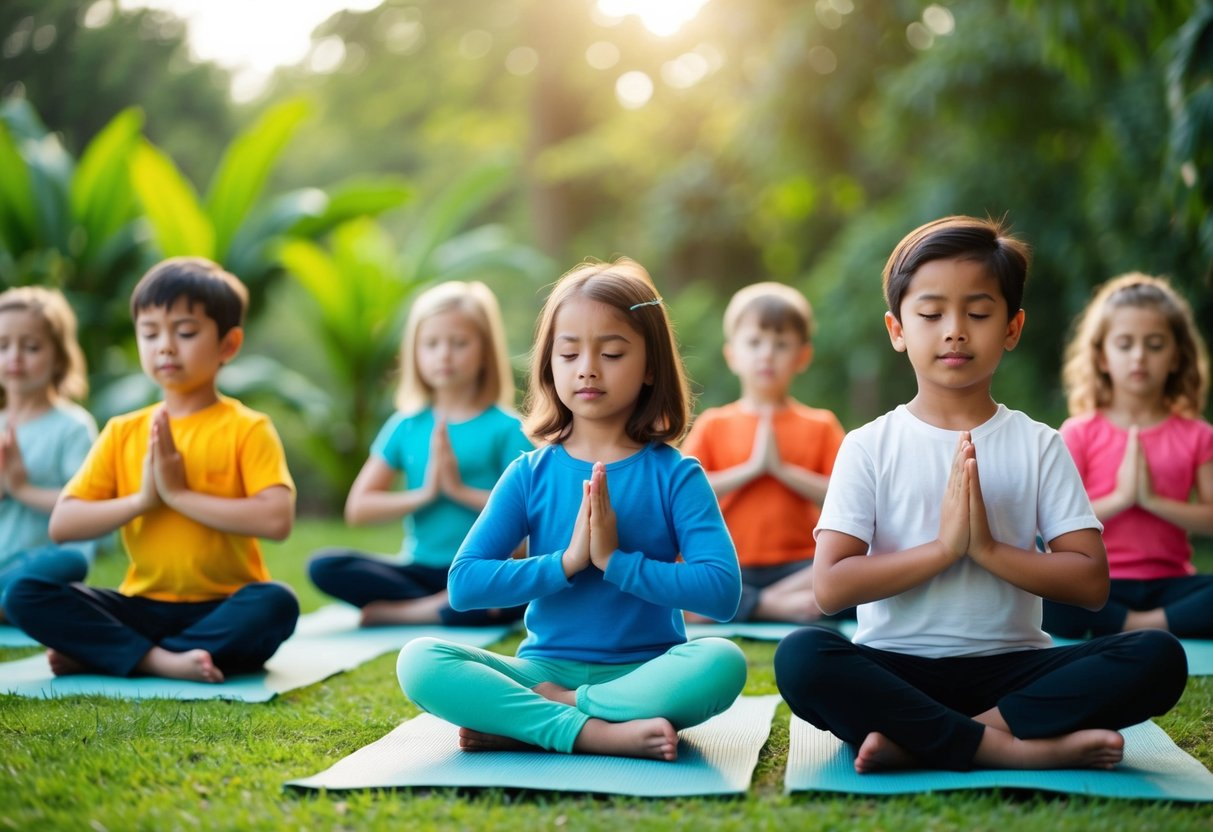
(488, 692)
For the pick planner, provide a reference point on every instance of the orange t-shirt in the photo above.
(770, 523)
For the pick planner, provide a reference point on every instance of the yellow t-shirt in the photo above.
(229, 451)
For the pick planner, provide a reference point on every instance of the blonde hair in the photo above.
(479, 305)
(69, 379)
(777, 306)
(662, 411)
(1088, 388)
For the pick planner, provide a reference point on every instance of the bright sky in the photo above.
(253, 37)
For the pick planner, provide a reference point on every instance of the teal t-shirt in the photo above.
(483, 445)
(52, 447)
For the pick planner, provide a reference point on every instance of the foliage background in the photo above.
(795, 141)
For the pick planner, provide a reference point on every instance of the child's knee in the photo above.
(417, 667)
(728, 665)
(322, 565)
(278, 601)
(24, 594)
(1167, 663)
(799, 657)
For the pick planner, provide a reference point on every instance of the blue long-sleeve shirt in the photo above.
(664, 508)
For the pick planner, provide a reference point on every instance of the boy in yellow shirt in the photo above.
(192, 482)
(767, 456)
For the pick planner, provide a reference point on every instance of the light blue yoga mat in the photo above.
(11, 636)
(1154, 768)
(1200, 654)
(326, 642)
(763, 630)
(717, 757)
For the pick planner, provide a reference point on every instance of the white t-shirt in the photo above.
(886, 490)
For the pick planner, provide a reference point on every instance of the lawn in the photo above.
(92, 763)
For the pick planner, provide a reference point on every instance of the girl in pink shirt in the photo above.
(1136, 377)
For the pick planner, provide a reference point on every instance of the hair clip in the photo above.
(635, 306)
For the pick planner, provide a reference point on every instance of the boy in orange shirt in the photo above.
(192, 482)
(767, 456)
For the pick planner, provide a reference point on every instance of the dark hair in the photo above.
(663, 409)
(959, 238)
(776, 306)
(200, 281)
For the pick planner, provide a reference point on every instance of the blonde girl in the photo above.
(44, 434)
(1136, 375)
(605, 666)
(453, 434)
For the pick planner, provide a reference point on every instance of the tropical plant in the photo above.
(357, 287)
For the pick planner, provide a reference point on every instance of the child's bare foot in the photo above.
(651, 739)
(696, 618)
(470, 740)
(413, 611)
(192, 665)
(879, 753)
(62, 664)
(1155, 619)
(1091, 748)
(554, 692)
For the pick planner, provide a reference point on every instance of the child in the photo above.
(767, 456)
(192, 482)
(1137, 374)
(605, 667)
(930, 526)
(452, 436)
(44, 435)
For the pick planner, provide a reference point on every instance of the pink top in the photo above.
(1142, 546)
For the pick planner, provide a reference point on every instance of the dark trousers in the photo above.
(754, 579)
(1187, 601)
(110, 632)
(925, 705)
(358, 578)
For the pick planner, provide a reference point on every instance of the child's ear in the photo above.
(728, 356)
(230, 344)
(1014, 330)
(896, 336)
(804, 358)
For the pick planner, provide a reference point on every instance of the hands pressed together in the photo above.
(964, 527)
(1133, 485)
(13, 475)
(595, 534)
(163, 466)
(442, 474)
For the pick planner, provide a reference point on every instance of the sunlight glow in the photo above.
(661, 17)
(252, 38)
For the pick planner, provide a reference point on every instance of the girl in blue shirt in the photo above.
(453, 434)
(624, 533)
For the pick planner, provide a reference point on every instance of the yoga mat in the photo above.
(763, 630)
(717, 757)
(326, 642)
(11, 636)
(1154, 768)
(1200, 653)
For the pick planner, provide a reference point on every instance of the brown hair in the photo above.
(776, 305)
(662, 411)
(69, 378)
(1089, 388)
(478, 303)
(959, 238)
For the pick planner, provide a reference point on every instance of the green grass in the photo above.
(96, 763)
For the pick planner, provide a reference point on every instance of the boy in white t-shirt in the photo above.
(950, 668)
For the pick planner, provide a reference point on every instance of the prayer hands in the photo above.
(1128, 485)
(442, 476)
(13, 474)
(595, 534)
(764, 458)
(954, 513)
(168, 467)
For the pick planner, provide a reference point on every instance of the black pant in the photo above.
(110, 632)
(358, 578)
(1187, 602)
(925, 705)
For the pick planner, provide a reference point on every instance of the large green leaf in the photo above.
(318, 274)
(102, 201)
(455, 206)
(245, 167)
(354, 199)
(17, 215)
(170, 204)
